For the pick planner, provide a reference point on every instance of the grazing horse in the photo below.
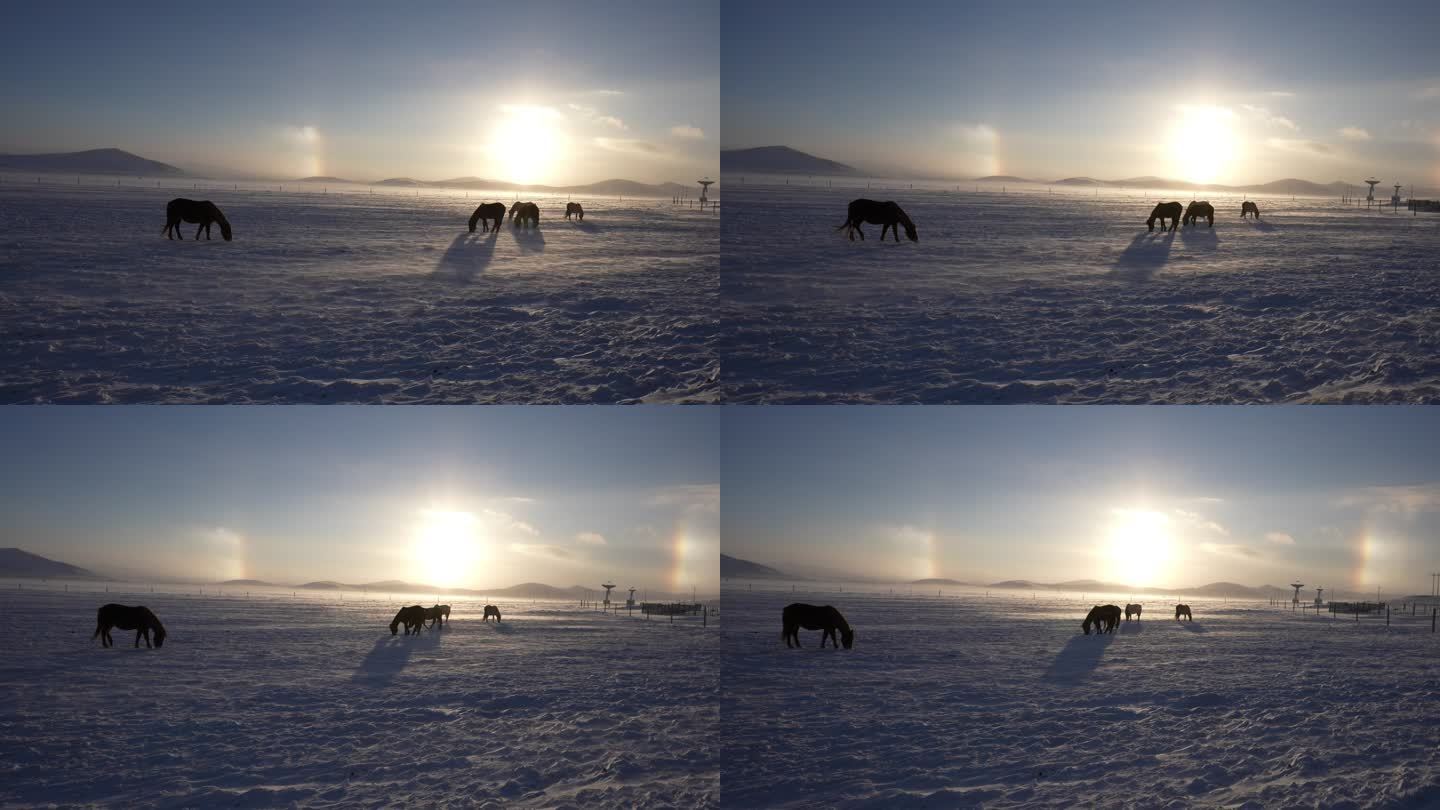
(202, 211)
(574, 208)
(1248, 207)
(1164, 211)
(811, 617)
(1129, 609)
(486, 212)
(491, 610)
(412, 617)
(1104, 618)
(139, 619)
(1183, 610)
(521, 212)
(439, 613)
(1195, 210)
(886, 214)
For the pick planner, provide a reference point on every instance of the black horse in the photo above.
(439, 613)
(1164, 211)
(1132, 609)
(811, 617)
(1248, 207)
(139, 619)
(202, 211)
(485, 213)
(522, 212)
(1104, 618)
(886, 214)
(1183, 610)
(1196, 210)
(574, 208)
(491, 610)
(413, 617)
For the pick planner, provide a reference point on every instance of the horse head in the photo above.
(847, 637)
(158, 630)
(1150, 223)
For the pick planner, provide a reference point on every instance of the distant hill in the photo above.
(608, 188)
(17, 563)
(398, 181)
(736, 568)
(321, 586)
(1001, 178)
(323, 179)
(939, 581)
(1079, 181)
(1214, 590)
(251, 582)
(94, 161)
(780, 160)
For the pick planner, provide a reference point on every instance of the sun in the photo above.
(1139, 547)
(527, 143)
(446, 547)
(1202, 143)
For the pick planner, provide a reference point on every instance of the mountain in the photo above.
(323, 179)
(252, 582)
(779, 160)
(1213, 590)
(1016, 583)
(934, 581)
(398, 181)
(22, 564)
(94, 161)
(321, 586)
(1001, 178)
(736, 568)
(1079, 181)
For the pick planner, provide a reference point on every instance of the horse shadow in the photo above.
(1192, 627)
(467, 256)
(1261, 225)
(501, 627)
(587, 227)
(529, 239)
(1073, 665)
(1144, 256)
(1196, 237)
(389, 656)
(1134, 628)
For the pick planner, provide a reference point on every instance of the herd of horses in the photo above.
(205, 213)
(1105, 618)
(1192, 214)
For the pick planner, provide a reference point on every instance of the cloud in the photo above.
(608, 92)
(1280, 537)
(686, 131)
(1301, 146)
(507, 521)
(1270, 118)
(1230, 550)
(1198, 521)
(538, 550)
(612, 121)
(1354, 134)
(628, 146)
(591, 538)
(1395, 499)
(700, 497)
(1280, 94)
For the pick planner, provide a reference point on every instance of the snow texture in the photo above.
(968, 701)
(354, 297)
(275, 702)
(1067, 298)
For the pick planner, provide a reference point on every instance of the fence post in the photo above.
(1387, 616)
(1432, 619)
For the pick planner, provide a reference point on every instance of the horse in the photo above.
(413, 617)
(522, 212)
(811, 617)
(1129, 609)
(491, 610)
(574, 208)
(886, 214)
(1183, 610)
(1195, 210)
(1162, 212)
(1105, 618)
(1248, 207)
(486, 212)
(439, 613)
(139, 619)
(201, 211)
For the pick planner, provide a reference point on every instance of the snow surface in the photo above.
(273, 702)
(967, 701)
(1066, 298)
(353, 297)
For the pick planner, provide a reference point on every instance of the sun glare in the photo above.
(1202, 143)
(1139, 547)
(527, 143)
(447, 546)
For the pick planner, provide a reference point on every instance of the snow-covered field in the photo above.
(383, 298)
(963, 701)
(1028, 297)
(274, 702)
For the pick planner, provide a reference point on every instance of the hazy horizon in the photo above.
(548, 93)
(452, 498)
(1238, 95)
(1145, 497)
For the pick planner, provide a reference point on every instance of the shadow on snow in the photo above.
(390, 655)
(467, 256)
(1073, 665)
(1144, 256)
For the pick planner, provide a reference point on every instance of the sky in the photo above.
(553, 93)
(1225, 92)
(1175, 496)
(450, 497)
